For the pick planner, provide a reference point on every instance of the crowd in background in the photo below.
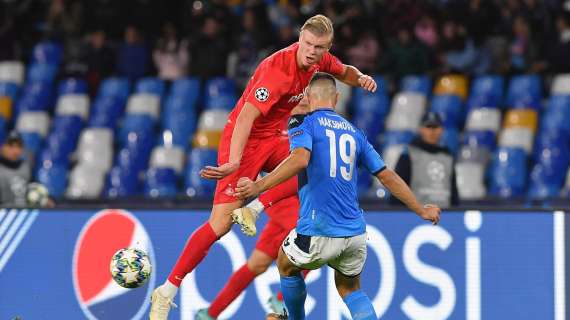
(207, 38)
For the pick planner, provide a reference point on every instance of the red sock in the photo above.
(280, 294)
(279, 192)
(195, 250)
(238, 282)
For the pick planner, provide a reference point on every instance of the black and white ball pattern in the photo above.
(262, 94)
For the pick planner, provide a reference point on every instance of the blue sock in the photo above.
(294, 295)
(360, 306)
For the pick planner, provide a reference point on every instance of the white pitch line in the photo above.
(21, 233)
(559, 267)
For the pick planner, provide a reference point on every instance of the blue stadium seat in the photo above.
(370, 111)
(140, 124)
(32, 141)
(9, 89)
(553, 145)
(161, 182)
(62, 140)
(186, 88)
(47, 52)
(150, 85)
(194, 184)
(544, 182)
(220, 93)
(486, 91)
(416, 83)
(397, 137)
(105, 112)
(54, 177)
(72, 86)
(556, 116)
(525, 91)
(36, 96)
(132, 158)
(450, 139)
(450, 108)
(479, 139)
(40, 72)
(121, 182)
(118, 87)
(2, 129)
(508, 172)
(179, 117)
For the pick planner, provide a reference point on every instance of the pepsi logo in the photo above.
(98, 295)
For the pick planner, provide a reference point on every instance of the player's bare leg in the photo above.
(247, 216)
(355, 299)
(196, 249)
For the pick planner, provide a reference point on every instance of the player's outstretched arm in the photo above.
(353, 77)
(400, 190)
(297, 161)
(241, 132)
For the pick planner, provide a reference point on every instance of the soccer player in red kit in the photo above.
(253, 140)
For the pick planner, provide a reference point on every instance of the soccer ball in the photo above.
(37, 195)
(130, 267)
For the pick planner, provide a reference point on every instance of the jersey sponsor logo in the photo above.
(295, 121)
(261, 94)
(296, 98)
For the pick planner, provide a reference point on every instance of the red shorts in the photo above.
(258, 155)
(282, 219)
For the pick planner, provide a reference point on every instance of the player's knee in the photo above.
(257, 267)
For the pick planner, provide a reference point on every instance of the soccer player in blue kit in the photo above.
(326, 151)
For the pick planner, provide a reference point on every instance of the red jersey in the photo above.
(276, 88)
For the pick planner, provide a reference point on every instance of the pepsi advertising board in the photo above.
(474, 265)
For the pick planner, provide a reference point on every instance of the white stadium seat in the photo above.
(99, 139)
(517, 137)
(73, 105)
(12, 71)
(470, 180)
(144, 103)
(392, 154)
(212, 120)
(85, 182)
(561, 84)
(345, 93)
(167, 157)
(33, 121)
(406, 111)
(484, 119)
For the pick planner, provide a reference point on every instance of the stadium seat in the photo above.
(450, 139)
(220, 94)
(450, 108)
(187, 89)
(40, 72)
(6, 108)
(105, 111)
(150, 85)
(521, 118)
(397, 137)
(73, 105)
(470, 180)
(180, 119)
(141, 125)
(47, 52)
(561, 85)
(36, 96)
(480, 139)
(517, 138)
(9, 89)
(33, 141)
(345, 94)
(391, 154)
(194, 184)
(566, 190)
(416, 83)
(525, 91)
(555, 142)
(486, 91)
(161, 182)
(62, 140)
(557, 114)
(483, 119)
(364, 182)
(508, 172)
(544, 183)
(3, 130)
(213, 120)
(121, 182)
(207, 139)
(72, 86)
(406, 112)
(167, 157)
(369, 111)
(134, 156)
(85, 182)
(117, 87)
(33, 121)
(12, 71)
(475, 154)
(455, 84)
(95, 149)
(143, 103)
(54, 177)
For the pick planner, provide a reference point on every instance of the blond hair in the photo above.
(319, 25)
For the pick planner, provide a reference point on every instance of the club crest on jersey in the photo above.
(261, 94)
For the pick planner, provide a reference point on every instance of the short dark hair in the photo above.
(318, 76)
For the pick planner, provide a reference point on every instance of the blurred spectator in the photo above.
(286, 36)
(458, 52)
(132, 55)
(558, 49)
(524, 50)
(147, 15)
(405, 55)
(8, 36)
(426, 31)
(171, 54)
(75, 62)
(364, 53)
(104, 15)
(209, 51)
(14, 172)
(480, 19)
(100, 59)
(64, 19)
(429, 168)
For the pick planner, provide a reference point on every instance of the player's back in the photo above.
(328, 186)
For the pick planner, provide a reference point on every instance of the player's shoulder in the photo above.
(281, 61)
(297, 120)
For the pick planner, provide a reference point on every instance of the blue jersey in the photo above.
(328, 186)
